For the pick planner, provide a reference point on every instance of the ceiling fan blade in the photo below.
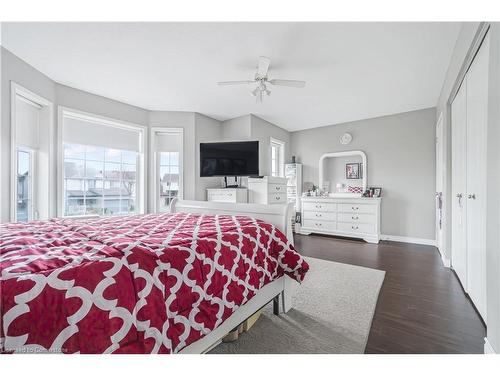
(229, 83)
(287, 82)
(263, 66)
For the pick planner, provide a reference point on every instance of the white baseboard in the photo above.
(446, 261)
(418, 241)
(488, 349)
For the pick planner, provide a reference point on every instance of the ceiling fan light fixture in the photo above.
(261, 80)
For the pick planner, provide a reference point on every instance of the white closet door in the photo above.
(477, 105)
(459, 184)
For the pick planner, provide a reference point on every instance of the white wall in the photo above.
(237, 129)
(400, 152)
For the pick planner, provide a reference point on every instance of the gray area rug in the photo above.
(332, 313)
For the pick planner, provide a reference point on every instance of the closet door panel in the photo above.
(477, 105)
(459, 185)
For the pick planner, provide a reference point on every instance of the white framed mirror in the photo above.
(343, 174)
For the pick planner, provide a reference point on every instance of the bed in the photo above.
(158, 283)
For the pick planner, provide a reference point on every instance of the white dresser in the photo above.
(231, 195)
(267, 190)
(348, 217)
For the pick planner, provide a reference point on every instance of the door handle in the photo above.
(472, 196)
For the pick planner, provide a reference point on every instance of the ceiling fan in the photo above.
(261, 80)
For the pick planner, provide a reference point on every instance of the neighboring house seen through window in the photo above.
(99, 180)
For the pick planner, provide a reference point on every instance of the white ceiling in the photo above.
(353, 70)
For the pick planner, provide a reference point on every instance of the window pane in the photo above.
(99, 181)
(112, 171)
(23, 162)
(74, 151)
(129, 157)
(164, 174)
(174, 158)
(74, 184)
(127, 205)
(22, 210)
(129, 171)
(75, 207)
(113, 155)
(128, 189)
(74, 168)
(93, 198)
(165, 158)
(111, 206)
(94, 169)
(94, 153)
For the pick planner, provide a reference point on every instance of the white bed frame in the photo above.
(280, 215)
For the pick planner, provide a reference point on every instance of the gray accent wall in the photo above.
(16, 70)
(400, 152)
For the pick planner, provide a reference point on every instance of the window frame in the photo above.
(154, 191)
(64, 112)
(46, 113)
(281, 157)
(104, 179)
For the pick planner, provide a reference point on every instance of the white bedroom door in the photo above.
(459, 185)
(477, 106)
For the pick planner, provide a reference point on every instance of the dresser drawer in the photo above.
(320, 215)
(361, 208)
(221, 196)
(356, 217)
(319, 225)
(276, 188)
(356, 227)
(277, 198)
(319, 206)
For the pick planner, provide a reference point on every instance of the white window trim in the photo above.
(86, 116)
(18, 90)
(154, 196)
(281, 156)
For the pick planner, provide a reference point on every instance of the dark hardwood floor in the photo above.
(422, 307)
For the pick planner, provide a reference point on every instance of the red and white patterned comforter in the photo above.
(134, 284)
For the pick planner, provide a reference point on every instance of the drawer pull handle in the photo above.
(355, 208)
(355, 227)
(277, 198)
(317, 224)
(318, 215)
(355, 217)
(318, 206)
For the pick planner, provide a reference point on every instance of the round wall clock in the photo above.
(345, 138)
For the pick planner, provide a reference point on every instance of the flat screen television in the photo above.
(229, 159)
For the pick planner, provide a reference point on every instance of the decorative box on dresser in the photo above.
(267, 190)
(347, 217)
(231, 195)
